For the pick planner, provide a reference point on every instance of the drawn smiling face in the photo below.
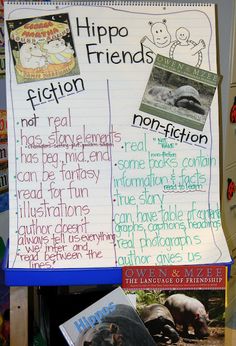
(182, 35)
(31, 49)
(160, 34)
(56, 46)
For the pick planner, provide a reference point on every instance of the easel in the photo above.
(20, 279)
(19, 316)
(20, 326)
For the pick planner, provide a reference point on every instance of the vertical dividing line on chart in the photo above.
(111, 171)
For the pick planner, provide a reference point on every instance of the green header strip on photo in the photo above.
(186, 70)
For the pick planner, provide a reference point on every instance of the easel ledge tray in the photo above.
(66, 276)
(60, 277)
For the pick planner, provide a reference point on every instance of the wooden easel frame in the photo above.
(19, 316)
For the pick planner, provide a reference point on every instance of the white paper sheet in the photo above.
(90, 185)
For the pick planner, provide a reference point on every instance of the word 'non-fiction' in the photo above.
(169, 130)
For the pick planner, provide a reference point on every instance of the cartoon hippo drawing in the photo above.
(31, 56)
(58, 52)
(161, 38)
(186, 50)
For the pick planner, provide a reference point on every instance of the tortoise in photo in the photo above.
(159, 322)
(188, 97)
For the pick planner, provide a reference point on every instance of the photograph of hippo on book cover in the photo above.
(180, 305)
(179, 92)
(110, 321)
(42, 48)
(183, 317)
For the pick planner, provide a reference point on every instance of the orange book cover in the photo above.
(180, 304)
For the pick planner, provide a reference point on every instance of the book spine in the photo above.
(66, 336)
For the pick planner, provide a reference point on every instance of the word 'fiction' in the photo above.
(54, 92)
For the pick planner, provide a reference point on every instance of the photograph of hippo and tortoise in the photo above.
(183, 317)
(177, 98)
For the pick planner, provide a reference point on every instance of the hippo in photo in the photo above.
(161, 94)
(188, 311)
(121, 327)
(159, 321)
